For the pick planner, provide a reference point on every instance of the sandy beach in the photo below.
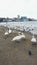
(17, 52)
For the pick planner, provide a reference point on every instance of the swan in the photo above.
(6, 33)
(17, 38)
(33, 39)
(9, 30)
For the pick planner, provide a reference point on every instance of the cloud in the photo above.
(12, 8)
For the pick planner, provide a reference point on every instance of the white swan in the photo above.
(17, 38)
(6, 33)
(33, 39)
(9, 30)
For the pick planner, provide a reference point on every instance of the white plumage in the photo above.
(6, 33)
(17, 38)
(33, 39)
(10, 31)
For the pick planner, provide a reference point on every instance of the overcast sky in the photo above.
(11, 8)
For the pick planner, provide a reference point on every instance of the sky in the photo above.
(12, 8)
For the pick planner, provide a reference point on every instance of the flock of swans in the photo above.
(20, 36)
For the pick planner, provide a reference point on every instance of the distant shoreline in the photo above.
(17, 19)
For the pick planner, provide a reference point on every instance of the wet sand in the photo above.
(17, 52)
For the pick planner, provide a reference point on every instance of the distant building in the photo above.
(23, 18)
(16, 19)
